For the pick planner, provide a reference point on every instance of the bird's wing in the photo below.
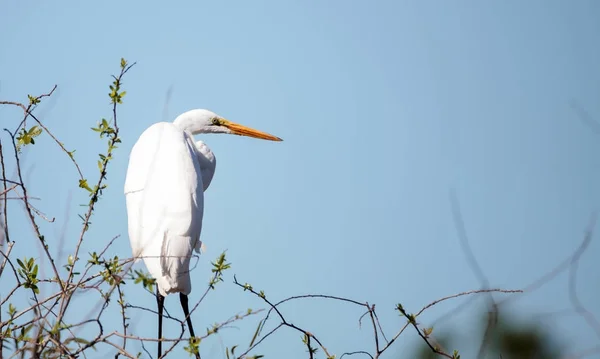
(133, 201)
(140, 162)
(208, 163)
(165, 204)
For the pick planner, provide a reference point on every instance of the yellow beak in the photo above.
(241, 130)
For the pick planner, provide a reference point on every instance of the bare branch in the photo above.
(586, 314)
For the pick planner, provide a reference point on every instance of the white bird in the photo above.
(164, 189)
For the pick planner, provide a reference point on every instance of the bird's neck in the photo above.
(187, 121)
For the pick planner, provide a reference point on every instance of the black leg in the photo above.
(160, 300)
(184, 305)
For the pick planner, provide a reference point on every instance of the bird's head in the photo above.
(205, 121)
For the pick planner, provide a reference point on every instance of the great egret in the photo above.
(164, 189)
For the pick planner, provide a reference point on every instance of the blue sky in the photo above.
(383, 107)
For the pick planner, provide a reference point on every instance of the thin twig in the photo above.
(124, 318)
(6, 260)
(437, 301)
(60, 144)
(4, 180)
(281, 317)
(113, 140)
(476, 268)
(585, 117)
(413, 322)
(357, 353)
(29, 211)
(581, 310)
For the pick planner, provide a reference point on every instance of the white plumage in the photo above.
(165, 203)
(164, 189)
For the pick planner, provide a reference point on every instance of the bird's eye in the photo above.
(215, 121)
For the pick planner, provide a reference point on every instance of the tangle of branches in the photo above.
(46, 325)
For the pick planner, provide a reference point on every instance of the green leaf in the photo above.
(35, 131)
(33, 100)
(11, 310)
(83, 184)
(256, 333)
